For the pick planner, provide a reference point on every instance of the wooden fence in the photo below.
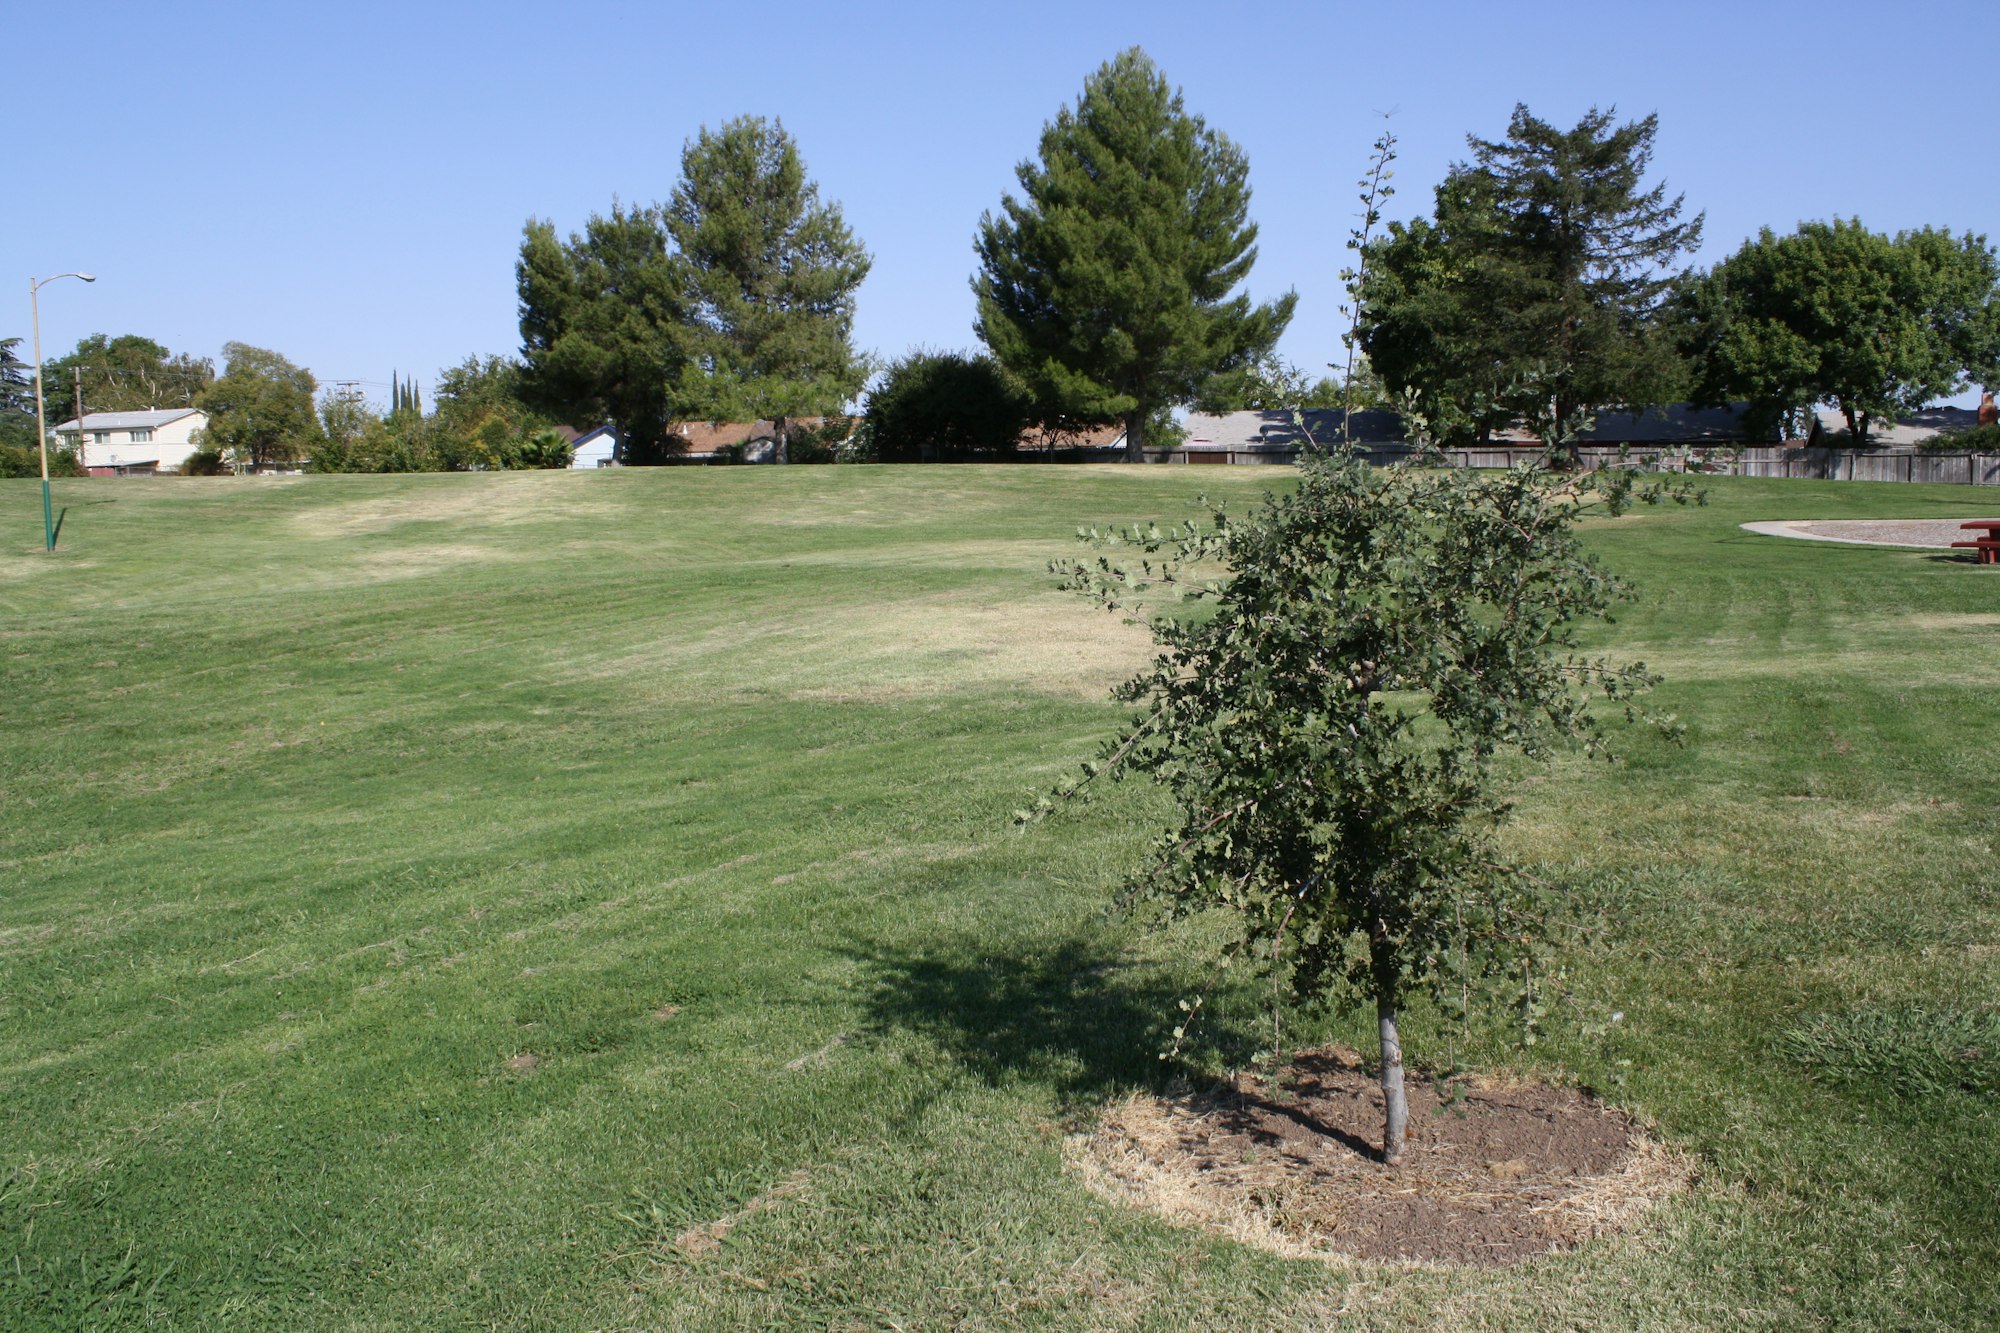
(1964, 469)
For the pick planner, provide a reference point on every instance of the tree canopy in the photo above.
(603, 324)
(1330, 732)
(1106, 286)
(128, 373)
(260, 412)
(17, 402)
(943, 405)
(1536, 290)
(733, 300)
(769, 272)
(1835, 313)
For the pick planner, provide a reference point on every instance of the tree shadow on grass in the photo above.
(1076, 1015)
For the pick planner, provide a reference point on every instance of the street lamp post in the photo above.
(35, 286)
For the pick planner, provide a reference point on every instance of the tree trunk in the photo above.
(1395, 1106)
(781, 446)
(1135, 436)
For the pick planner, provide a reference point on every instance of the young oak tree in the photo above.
(1106, 289)
(769, 275)
(1330, 731)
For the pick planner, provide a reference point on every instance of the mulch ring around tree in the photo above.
(1494, 1171)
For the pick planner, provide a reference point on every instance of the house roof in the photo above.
(1280, 429)
(158, 416)
(1912, 429)
(705, 437)
(1090, 437)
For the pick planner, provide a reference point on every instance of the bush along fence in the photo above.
(1965, 469)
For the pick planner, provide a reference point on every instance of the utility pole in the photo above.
(79, 418)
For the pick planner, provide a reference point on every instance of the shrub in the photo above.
(936, 406)
(205, 463)
(546, 449)
(823, 443)
(1978, 440)
(25, 461)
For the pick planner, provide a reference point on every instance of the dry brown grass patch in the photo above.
(706, 1238)
(1498, 1169)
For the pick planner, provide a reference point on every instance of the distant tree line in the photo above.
(1543, 289)
(264, 411)
(1545, 286)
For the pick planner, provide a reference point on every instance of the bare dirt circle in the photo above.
(1495, 1171)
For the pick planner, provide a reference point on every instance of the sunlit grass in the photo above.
(444, 900)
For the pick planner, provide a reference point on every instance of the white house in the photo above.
(595, 448)
(134, 444)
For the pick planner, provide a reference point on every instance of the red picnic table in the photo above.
(1988, 546)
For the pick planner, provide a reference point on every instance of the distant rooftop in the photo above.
(1912, 429)
(158, 416)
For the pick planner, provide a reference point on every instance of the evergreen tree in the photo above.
(17, 379)
(604, 332)
(769, 275)
(17, 397)
(1538, 290)
(1106, 288)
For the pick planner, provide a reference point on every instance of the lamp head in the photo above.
(88, 277)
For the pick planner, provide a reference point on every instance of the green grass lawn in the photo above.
(422, 899)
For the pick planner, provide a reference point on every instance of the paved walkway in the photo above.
(1922, 532)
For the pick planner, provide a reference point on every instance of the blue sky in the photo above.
(347, 184)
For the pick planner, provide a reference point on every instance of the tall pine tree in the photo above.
(1542, 281)
(603, 326)
(769, 273)
(1106, 288)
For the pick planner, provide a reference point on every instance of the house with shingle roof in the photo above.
(133, 444)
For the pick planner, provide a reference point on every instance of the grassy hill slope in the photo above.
(585, 901)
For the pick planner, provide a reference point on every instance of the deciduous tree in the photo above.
(261, 411)
(127, 373)
(1836, 313)
(1331, 730)
(1106, 286)
(942, 405)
